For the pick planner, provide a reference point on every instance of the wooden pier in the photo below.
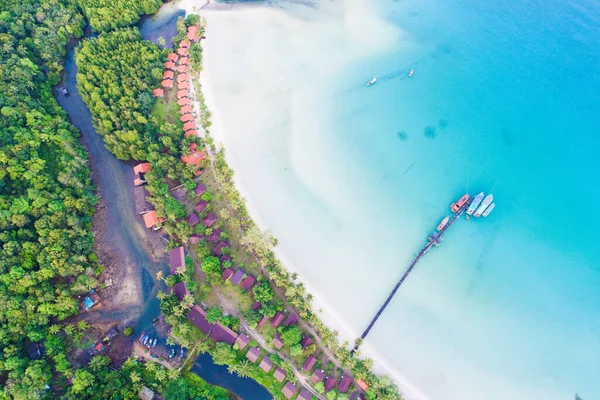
(433, 240)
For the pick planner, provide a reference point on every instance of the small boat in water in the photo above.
(154, 344)
(484, 204)
(411, 73)
(372, 81)
(145, 340)
(488, 210)
(476, 202)
(142, 337)
(461, 202)
(443, 224)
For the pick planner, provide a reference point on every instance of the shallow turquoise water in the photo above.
(508, 306)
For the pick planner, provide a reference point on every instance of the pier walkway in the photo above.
(433, 239)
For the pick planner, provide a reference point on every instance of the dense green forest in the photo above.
(105, 15)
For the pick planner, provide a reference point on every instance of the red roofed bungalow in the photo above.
(182, 94)
(195, 238)
(277, 341)
(197, 316)
(227, 273)
(224, 258)
(292, 319)
(242, 341)
(317, 376)
(248, 282)
(158, 92)
(191, 132)
(189, 125)
(169, 65)
(304, 395)
(279, 374)
(192, 33)
(182, 51)
(200, 189)
(151, 219)
(99, 346)
(186, 117)
(277, 319)
(209, 219)
(253, 354)
(184, 101)
(183, 85)
(201, 206)
(220, 247)
(180, 290)
(362, 384)
(168, 83)
(289, 390)
(176, 259)
(266, 364)
(173, 57)
(257, 305)
(263, 321)
(168, 75)
(306, 341)
(142, 168)
(214, 236)
(237, 277)
(222, 333)
(182, 69)
(182, 77)
(309, 363)
(192, 219)
(195, 157)
(186, 109)
(329, 383)
(184, 61)
(344, 384)
(184, 43)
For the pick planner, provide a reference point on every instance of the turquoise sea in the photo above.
(505, 98)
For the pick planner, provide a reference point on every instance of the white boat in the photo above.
(484, 204)
(372, 81)
(489, 210)
(154, 344)
(475, 203)
(411, 73)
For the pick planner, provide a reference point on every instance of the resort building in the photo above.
(345, 383)
(184, 43)
(362, 384)
(151, 219)
(158, 92)
(182, 78)
(292, 319)
(191, 132)
(184, 101)
(176, 259)
(192, 33)
(225, 258)
(306, 341)
(329, 383)
(169, 65)
(173, 57)
(184, 61)
(182, 51)
(289, 390)
(186, 117)
(242, 341)
(140, 196)
(201, 206)
(253, 354)
(279, 374)
(182, 69)
(222, 333)
(180, 290)
(186, 109)
(263, 321)
(168, 74)
(304, 395)
(219, 248)
(209, 219)
(277, 319)
(194, 157)
(257, 305)
(167, 83)
(277, 341)
(309, 363)
(214, 236)
(317, 376)
(200, 189)
(192, 219)
(247, 282)
(195, 238)
(138, 173)
(237, 277)
(227, 272)
(266, 364)
(197, 316)
(189, 125)
(183, 85)
(183, 94)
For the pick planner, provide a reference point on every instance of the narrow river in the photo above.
(127, 237)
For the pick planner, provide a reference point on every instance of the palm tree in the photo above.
(151, 366)
(188, 300)
(160, 295)
(171, 341)
(83, 325)
(243, 368)
(98, 362)
(160, 374)
(173, 374)
(54, 329)
(160, 276)
(184, 328)
(135, 377)
(180, 271)
(178, 312)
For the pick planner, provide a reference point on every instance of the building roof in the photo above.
(158, 92)
(146, 394)
(184, 43)
(237, 277)
(180, 290)
(222, 333)
(169, 65)
(291, 319)
(182, 94)
(183, 101)
(182, 77)
(35, 351)
(192, 33)
(248, 282)
(242, 341)
(183, 85)
(182, 69)
(266, 364)
(189, 125)
(200, 189)
(150, 219)
(277, 319)
(278, 341)
(191, 132)
(142, 168)
(168, 83)
(195, 238)
(253, 354)
(176, 259)
(99, 346)
(184, 61)
(140, 196)
(289, 390)
(345, 383)
(138, 182)
(197, 316)
(194, 157)
(317, 376)
(309, 363)
(186, 109)
(306, 341)
(168, 74)
(193, 219)
(227, 272)
(329, 383)
(219, 248)
(182, 51)
(304, 395)
(362, 384)
(224, 258)
(172, 57)
(201, 206)
(214, 236)
(263, 321)
(186, 117)
(279, 374)
(257, 305)
(209, 219)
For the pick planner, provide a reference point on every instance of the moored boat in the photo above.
(475, 203)
(142, 337)
(461, 202)
(488, 210)
(443, 224)
(372, 81)
(484, 204)
(154, 344)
